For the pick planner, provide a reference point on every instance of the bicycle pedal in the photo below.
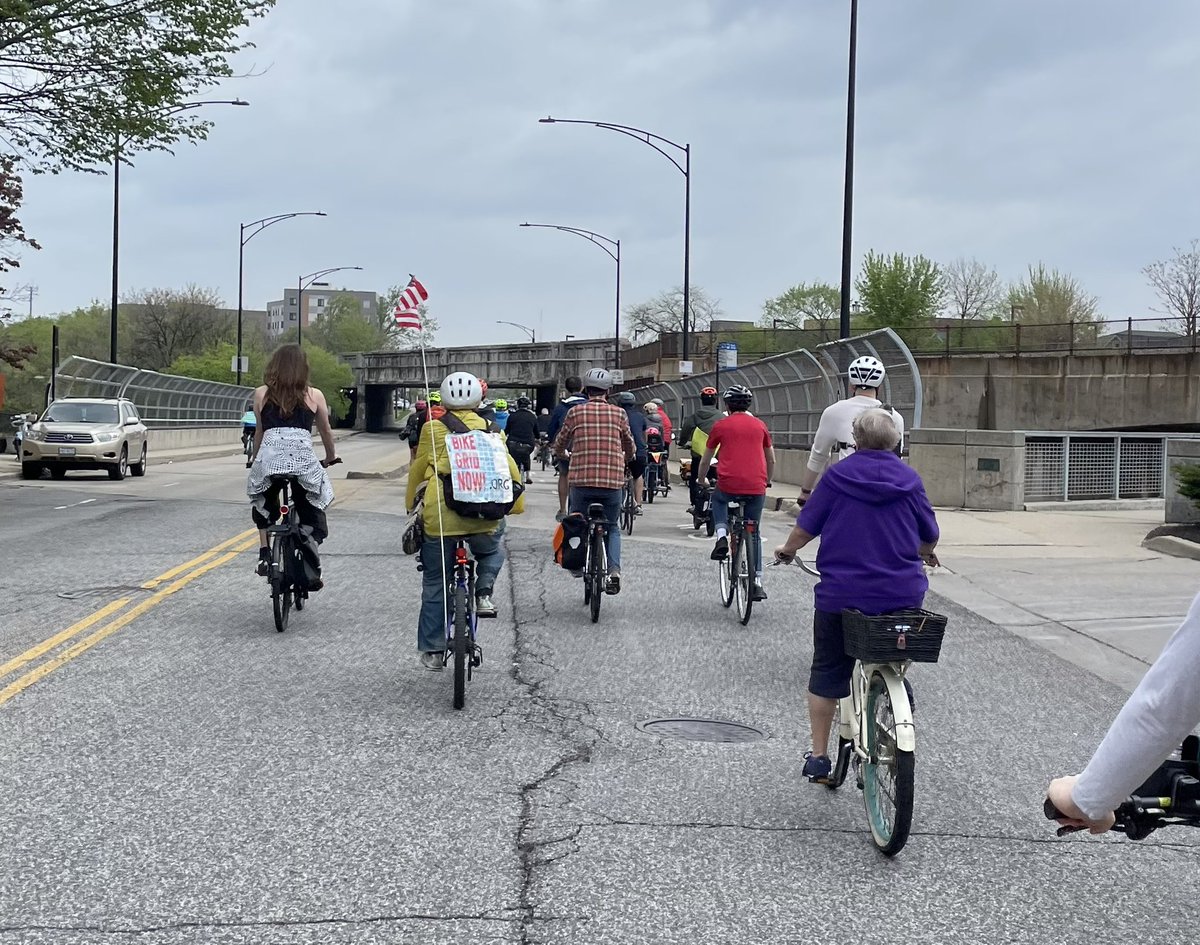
(492, 616)
(477, 656)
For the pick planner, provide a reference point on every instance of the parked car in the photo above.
(86, 433)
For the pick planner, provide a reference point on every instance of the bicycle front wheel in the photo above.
(743, 580)
(888, 773)
(461, 646)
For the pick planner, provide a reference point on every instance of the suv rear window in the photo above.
(81, 413)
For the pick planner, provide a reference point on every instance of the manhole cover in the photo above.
(702, 730)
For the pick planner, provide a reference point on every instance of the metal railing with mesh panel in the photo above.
(791, 390)
(1068, 467)
(162, 400)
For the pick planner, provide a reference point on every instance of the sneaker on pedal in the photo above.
(484, 606)
(637, 510)
(721, 549)
(759, 592)
(264, 562)
(559, 516)
(614, 583)
(817, 768)
(433, 660)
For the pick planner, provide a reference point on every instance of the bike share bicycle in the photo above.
(289, 574)
(873, 729)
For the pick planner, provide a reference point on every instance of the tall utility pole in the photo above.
(847, 211)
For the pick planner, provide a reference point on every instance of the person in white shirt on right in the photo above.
(865, 377)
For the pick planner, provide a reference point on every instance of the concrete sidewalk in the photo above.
(1077, 582)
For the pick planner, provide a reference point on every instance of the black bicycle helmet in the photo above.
(738, 397)
(626, 399)
(523, 403)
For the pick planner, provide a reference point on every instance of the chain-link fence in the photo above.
(1066, 467)
(791, 390)
(162, 400)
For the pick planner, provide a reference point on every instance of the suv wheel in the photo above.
(117, 472)
(58, 472)
(139, 468)
(31, 470)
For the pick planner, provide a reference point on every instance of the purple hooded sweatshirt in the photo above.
(872, 514)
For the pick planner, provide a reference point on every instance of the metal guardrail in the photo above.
(791, 390)
(1067, 467)
(162, 400)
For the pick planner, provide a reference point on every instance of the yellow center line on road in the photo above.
(243, 542)
(22, 683)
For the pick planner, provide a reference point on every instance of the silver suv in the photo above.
(86, 433)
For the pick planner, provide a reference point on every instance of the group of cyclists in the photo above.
(869, 508)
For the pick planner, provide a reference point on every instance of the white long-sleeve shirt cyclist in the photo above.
(836, 427)
(1163, 709)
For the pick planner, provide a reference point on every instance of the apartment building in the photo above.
(310, 305)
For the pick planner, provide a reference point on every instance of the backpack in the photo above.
(479, 484)
(570, 542)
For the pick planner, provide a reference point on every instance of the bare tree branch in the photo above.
(1177, 282)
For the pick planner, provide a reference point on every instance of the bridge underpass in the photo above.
(536, 370)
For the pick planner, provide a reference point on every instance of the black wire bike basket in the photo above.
(891, 638)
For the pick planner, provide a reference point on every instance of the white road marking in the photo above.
(59, 508)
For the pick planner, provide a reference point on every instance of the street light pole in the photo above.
(532, 334)
(112, 328)
(301, 285)
(255, 228)
(654, 141)
(847, 210)
(604, 242)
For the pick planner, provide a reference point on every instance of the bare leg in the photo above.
(564, 489)
(638, 488)
(820, 714)
(262, 538)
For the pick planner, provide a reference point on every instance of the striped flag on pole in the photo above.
(405, 313)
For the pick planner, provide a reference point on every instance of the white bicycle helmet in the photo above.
(461, 391)
(866, 372)
(598, 379)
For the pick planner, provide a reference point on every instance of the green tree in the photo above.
(79, 74)
(169, 322)
(12, 239)
(330, 375)
(807, 305)
(1053, 310)
(1187, 476)
(344, 327)
(899, 291)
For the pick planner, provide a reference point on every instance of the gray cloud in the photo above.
(1016, 132)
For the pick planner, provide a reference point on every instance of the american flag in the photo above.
(405, 312)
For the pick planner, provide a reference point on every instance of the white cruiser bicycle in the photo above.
(873, 728)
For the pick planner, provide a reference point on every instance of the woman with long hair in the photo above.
(286, 408)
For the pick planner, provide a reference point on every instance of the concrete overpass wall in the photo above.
(1061, 392)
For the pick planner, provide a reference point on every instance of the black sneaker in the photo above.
(721, 549)
(264, 562)
(758, 592)
(817, 768)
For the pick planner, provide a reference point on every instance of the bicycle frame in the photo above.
(461, 575)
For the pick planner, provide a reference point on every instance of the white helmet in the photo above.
(461, 390)
(866, 372)
(598, 379)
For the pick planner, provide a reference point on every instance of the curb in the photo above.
(394, 473)
(1175, 547)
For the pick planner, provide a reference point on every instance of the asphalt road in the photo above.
(191, 776)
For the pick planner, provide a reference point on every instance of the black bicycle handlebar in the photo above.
(1169, 797)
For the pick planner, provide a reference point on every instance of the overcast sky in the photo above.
(1009, 130)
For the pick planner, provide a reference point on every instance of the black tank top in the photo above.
(302, 418)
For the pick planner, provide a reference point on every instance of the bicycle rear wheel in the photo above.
(743, 580)
(627, 511)
(888, 773)
(461, 646)
(598, 573)
(651, 483)
(725, 570)
(281, 589)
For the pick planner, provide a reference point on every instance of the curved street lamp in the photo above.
(303, 283)
(254, 229)
(532, 335)
(604, 243)
(112, 327)
(658, 142)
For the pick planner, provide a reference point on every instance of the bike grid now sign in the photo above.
(479, 467)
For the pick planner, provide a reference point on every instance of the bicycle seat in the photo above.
(283, 479)
(596, 510)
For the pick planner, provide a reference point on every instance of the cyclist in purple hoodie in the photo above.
(877, 533)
